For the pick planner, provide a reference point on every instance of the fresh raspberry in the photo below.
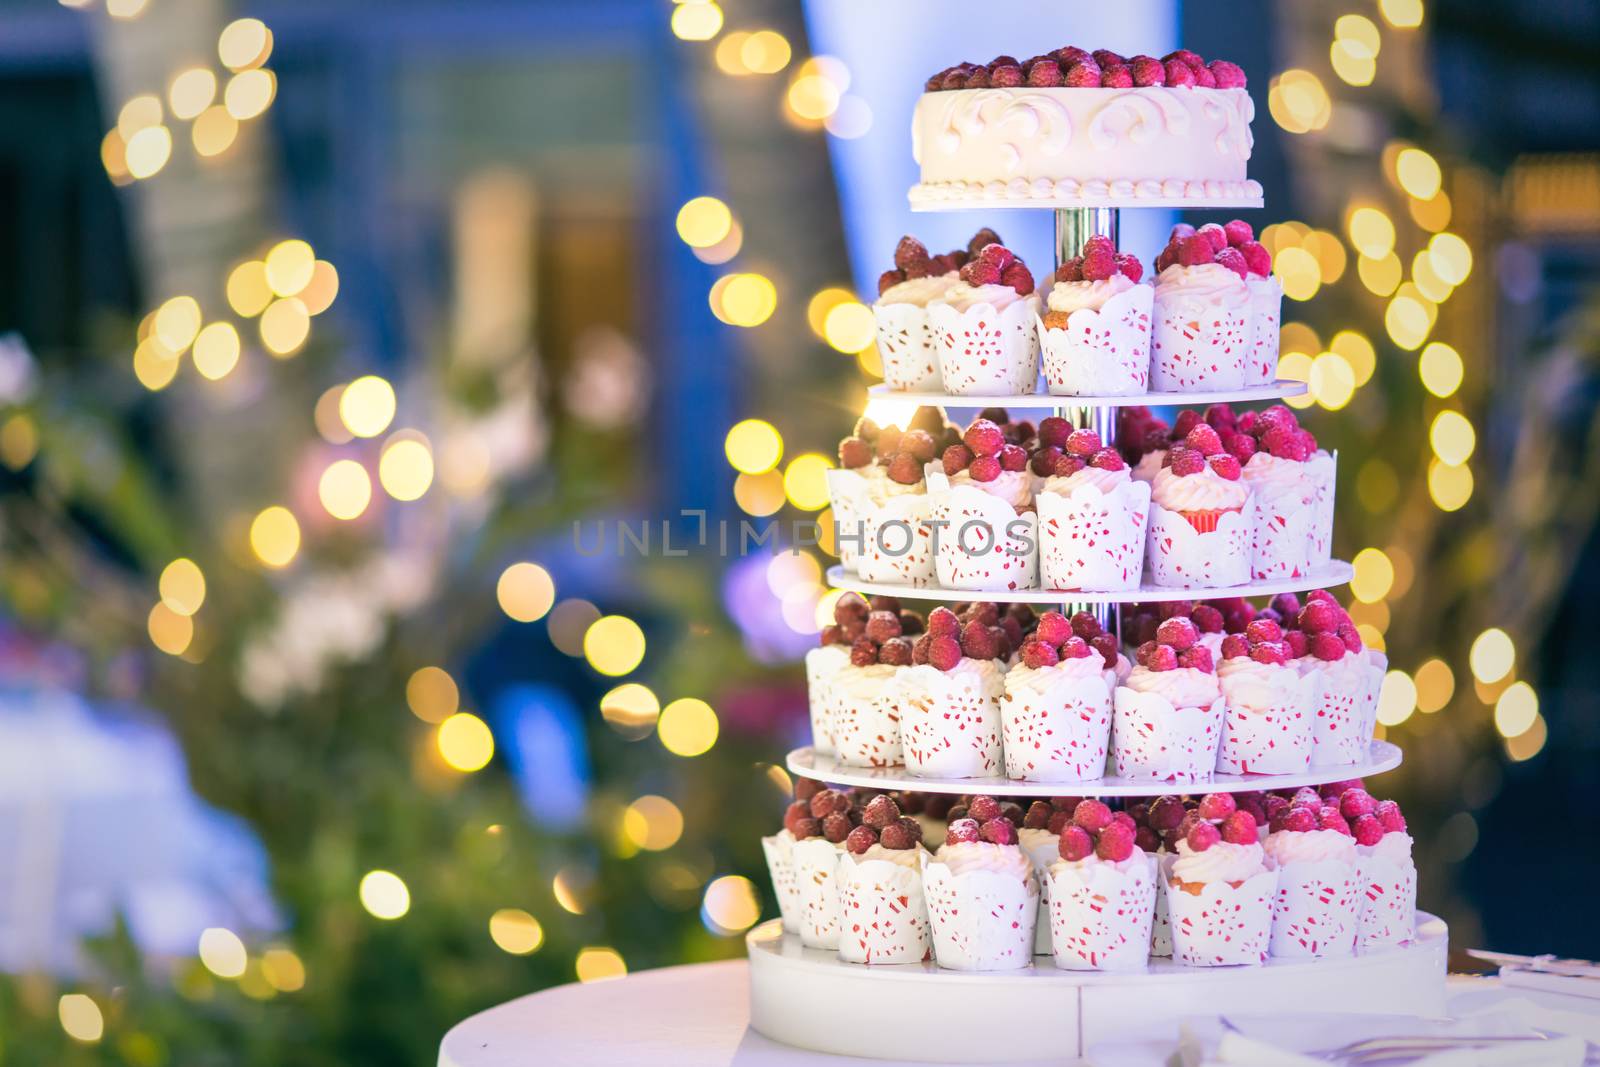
(979, 641)
(1116, 842)
(795, 812)
(1147, 70)
(1107, 459)
(1240, 829)
(1070, 54)
(1204, 440)
(1059, 821)
(1085, 625)
(829, 802)
(888, 280)
(978, 79)
(1271, 652)
(1055, 431)
(1067, 465)
(1387, 812)
(1091, 814)
(1122, 818)
(1350, 636)
(1013, 458)
(1145, 649)
(1301, 820)
(1083, 443)
(1368, 830)
(978, 273)
(880, 811)
(1204, 79)
(883, 625)
(888, 442)
(1196, 251)
(1071, 270)
(1165, 813)
(1010, 809)
(1238, 232)
(1099, 264)
(1191, 819)
(1234, 646)
(963, 831)
(1128, 266)
(1053, 628)
(935, 82)
(1217, 806)
(910, 254)
(1162, 658)
(1241, 446)
(863, 653)
(1043, 461)
(1084, 74)
(807, 828)
(1215, 234)
(897, 652)
(1018, 277)
(1203, 836)
(1146, 839)
(955, 77)
(1184, 461)
(1275, 803)
(985, 469)
(854, 453)
(860, 839)
(1075, 648)
(999, 832)
(1106, 645)
(806, 788)
(900, 835)
(984, 438)
(1166, 257)
(1179, 231)
(1254, 806)
(1279, 415)
(1197, 658)
(1178, 72)
(1038, 654)
(1183, 55)
(1263, 630)
(1226, 75)
(1257, 258)
(904, 469)
(1115, 76)
(1355, 803)
(920, 444)
(1234, 260)
(1320, 616)
(1177, 633)
(1038, 815)
(850, 607)
(837, 827)
(1297, 643)
(996, 255)
(1157, 436)
(1045, 74)
(1075, 844)
(942, 622)
(1107, 58)
(982, 239)
(1330, 819)
(984, 611)
(911, 623)
(1226, 466)
(944, 653)
(1005, 76)
(956, 458)
(983, 808)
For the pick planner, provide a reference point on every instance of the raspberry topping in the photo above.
(880, 811)
(1166, 813)
(999, 832)
(1116, 842)
(1226, 75)
(1178, 633)
(1084, 74)
(1203, 835)
(1162, 658)
(1217, 806)
(1240, 829)
(1106, 645)
(963, 831)
(1368, 830)
(1038, 816)
(1083, 443)
(1178, 73)
(1147, 70)
(1075, 844)
(1355, 803)
(1184, 461)
(984, 438)
(837, 827)
(900, 835)
(860, 839)
(1053, 628)
(944, 652)
(1257, 258)
(1388, 813)
(1091, 814)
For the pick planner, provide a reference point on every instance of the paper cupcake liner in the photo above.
(1042, 857)
(905, 345)
(950, 723)
(849, 499)
(1060, 733)
(883, 913)
(1161, 928)
(1101, 918)
(896, 541)
(1280, 539)
(821, 666)
(1266, 309)
(1314, 913)
(1152, 739)
(983, 352)
(1093, 541)
(1196, 348)
(1388, 903)
(1220, 924)
(983, 544)
(1275, 739)
(982, 920)
(779, 850)
(1347, 708)
(866, 733)
(1100, 352)
(1180, 557)
(816, 864)
(1322, 469)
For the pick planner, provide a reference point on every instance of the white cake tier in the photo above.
(1062, 147)
(1048, 1015)
(1276, 391)
(1324, 576)
(807, 763)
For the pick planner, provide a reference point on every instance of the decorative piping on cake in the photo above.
(1072, 191)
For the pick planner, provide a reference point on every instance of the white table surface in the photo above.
(697, 1016)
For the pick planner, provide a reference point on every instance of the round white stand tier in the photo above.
(807, 763)
(1276, 391)
(938, 196)
(803, 997)
(1334, 572)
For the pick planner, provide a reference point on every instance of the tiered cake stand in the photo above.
(810, 999)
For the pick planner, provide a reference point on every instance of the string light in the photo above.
(345, 489)
(216, 350)
(753, 446)
(367, 406)
(515, 931)
(525, 592)
(222, 953)
(687, 727)
(465, 742)
(275, 536)
(244, 43)
(614, 645)
(805, 481)
(191, 92)
(384, 895)
(1492, 655)
(81, 1018)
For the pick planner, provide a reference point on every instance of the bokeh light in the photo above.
(614, 645)
(81, 1018)
(1298, 101)
(753, 446)
(1436, 685)
(849, 326)
(569, 622)
(384, 895)
(1401, 14)
(1449, 487)
(1373, 577)
(284, 326)
(744, 299)
(687, 727)
(696, 20)
(1381, 276)
(805, 481)
(248, 291)
(191, 92)
(1452, 438)
(652, 823)
(288, 267)
(1492, 656)
(525, 591)
(601, 964)
(244, 43)
(1516, 709)
(182, 586)
(432, 695)
(222, 953)
(1299, 272)
(367, 406)
(1451, 257)
(177, 322)
(631, 709)
(1371, 232)
(1418, 173)
(465, 742)
(405, 468)
(515, 931)
(214, 132)
(275, 536)
(1440, 368)
(704, 221)
(1397, 699)
(731, 905)
(345, 489)
(216, 350)
(169, 631)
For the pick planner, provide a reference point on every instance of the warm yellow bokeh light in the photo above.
(248, 291)
(614, 645)
(367, 406)
(1427, 282)
(169, 631)
(1492, 656)
(140, 112)
(1373, 577)
(631, 709)
(1407, 321)
(345, 489)
(687, 727)
(1332, 382)
(515, 931)
(1299, 272)
(759, 494)
(1371, 232)
(19, 441)
(1452, 438)
(1296, 367)
(744, 299)
(1449, 487)
(1397, 699)
(244, 43)
(1380, 276)
(849, 326)
(824, 301)
(214, 131)
(1401, 14)
(1352, 62)
(275, 536)
(249, 93)
(1516, 709)
(405, 469)
(284, 326)
(1360, 31)
(191, 92)
(1436, 685)
(384, 895)
(153, 365)
(182, 586)
(177, 322)
(525, 591)
(704, 221)
(1298, 101)
(222, 953)
(1440, 368)
(812, 97)
(81, 1018)
(652, 823)
(216, 350)
(289, 265)
(1418, 173)
(1451, 257)
(465, 742)
(432, 695)
(805, 481)
(283, 970)
(320, 291)
(765, 52)
(731, 904)
(126, 9)
(753, 446)
(601, 964)
(1357, 352)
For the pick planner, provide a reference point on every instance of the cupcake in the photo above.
(818, 841)
(1201, 337)
(864, 700)
(798, 824)
(1168, 712)
(883, 914)
(1346, 705)
(1315, 912)
(949, 700)
(905, 343)
(1094, 337)
(1277, 454)
(1268, 713)
(825, 661)
(1220, 890)
(984, 327)
(1055, 715)
(1266, 304)
(1388, 897)
(1102, 894)
(1201, 516)
(1142, 438)
(1038, 838)
(1157, 822)
(1092, 515)
(983, 898)
(985, 532)
(879, 498)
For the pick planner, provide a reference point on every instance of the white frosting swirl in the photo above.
(904, 857)
(1103, 480)
(880, 487)
(1036, 841)
(1209, 283)
(1273, 477)
(1183, 687)
(1309, 846)
(1068, 297)
(1248, 684)
(1040, 679)
(1204, 490)
(1222, 862)
(964, 856)
(1392, 848)
(861, 685)
(919, 291)
(964, 297)
(1137, 860)
(1014, 487)
(987, 671)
